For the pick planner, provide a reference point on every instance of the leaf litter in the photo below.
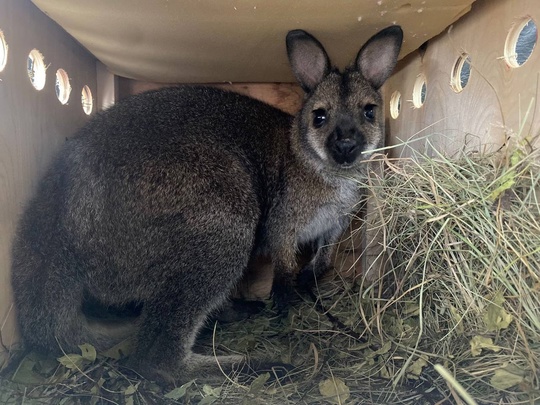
(454, 319)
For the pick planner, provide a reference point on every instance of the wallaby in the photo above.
(162, 199)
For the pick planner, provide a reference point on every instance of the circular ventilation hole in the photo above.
(62, 86)
(86, 100)
(461, 73)
(3, 51)
(419, 91)
(395, 104)
(36, 69)
(520, 43)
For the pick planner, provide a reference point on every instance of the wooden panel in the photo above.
(494, 102)
(210, 41)
(285, 96)
(32, 124)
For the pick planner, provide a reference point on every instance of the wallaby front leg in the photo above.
(320, 264)
(321, 261)
(284, 276)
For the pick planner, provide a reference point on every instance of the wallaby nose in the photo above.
(345, 142)
(347, 137)
(346, 146)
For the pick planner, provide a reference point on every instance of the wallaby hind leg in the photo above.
(171, 322)
(49, 310)
(52, 320)
(52, 324)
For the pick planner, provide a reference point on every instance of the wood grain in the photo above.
(285, 96)
(493, 104)
(33, 124)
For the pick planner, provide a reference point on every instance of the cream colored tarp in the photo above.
(235, 40)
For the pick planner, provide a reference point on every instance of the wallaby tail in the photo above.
(50, 308)
(64, 328)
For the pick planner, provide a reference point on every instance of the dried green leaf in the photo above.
(496, 317)
(72, 361)
(479, 342)
(25, 373)
(77, 361)
(506, 182)
(258, 383)
(504, 379)
(411, 309)
(334, 390)
(210, 399)
(385, 348)
(384, 373)
(458, 319)
(132, 389)
(209, 390)
(45, 364)
(415, 369)
(95, 394)
(88, 352)
(179, 392)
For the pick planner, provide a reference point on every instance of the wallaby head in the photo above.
(341, 118)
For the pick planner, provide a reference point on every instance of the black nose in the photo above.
(345, 142)
(346, 146)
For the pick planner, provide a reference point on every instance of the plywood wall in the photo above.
(285, 96)
(210, 41)
(492, 106)
(33, 124)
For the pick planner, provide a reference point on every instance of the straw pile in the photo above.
(455, 319)
(462, 237)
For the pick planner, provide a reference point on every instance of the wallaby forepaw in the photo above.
(308, 276)
(306, 279)
(282, 296)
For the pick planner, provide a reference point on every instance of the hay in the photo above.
(462, 237)
(456, 318)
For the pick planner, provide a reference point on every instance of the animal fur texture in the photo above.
(162, 200)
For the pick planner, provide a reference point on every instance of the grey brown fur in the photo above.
(164, 198)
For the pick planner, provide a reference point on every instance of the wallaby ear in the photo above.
(377, 58)
(308, 59)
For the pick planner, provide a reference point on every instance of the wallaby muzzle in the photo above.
(345, 142)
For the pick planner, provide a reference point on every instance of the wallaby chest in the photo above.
(329, 214)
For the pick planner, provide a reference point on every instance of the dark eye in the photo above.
(319, 117)
(369, 112)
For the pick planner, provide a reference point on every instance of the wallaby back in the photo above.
(164, 198)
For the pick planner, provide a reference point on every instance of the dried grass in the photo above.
(456, 318)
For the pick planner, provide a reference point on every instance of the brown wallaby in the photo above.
(162, 200)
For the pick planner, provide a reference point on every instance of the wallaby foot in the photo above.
(213, 369)
(210, 369)
(309, 276)
(237, 310)
(283, 295)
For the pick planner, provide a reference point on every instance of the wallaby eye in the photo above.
(319, 117)
(369, 112)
